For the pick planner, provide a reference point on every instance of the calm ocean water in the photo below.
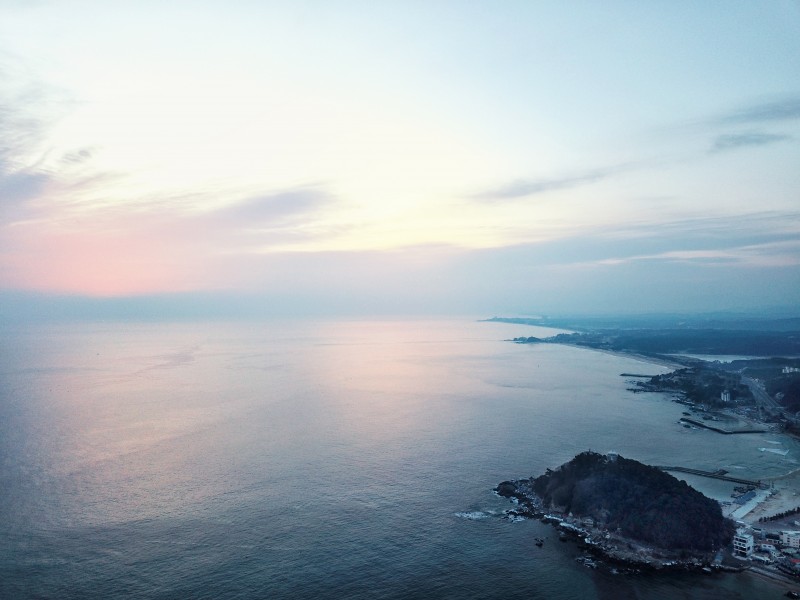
(318, 459)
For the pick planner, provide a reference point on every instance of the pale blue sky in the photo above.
(404, 156)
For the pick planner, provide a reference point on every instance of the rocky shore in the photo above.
(609, 549)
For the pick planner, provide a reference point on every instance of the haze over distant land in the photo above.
(217, 158)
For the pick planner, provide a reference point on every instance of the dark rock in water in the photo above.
(634, 516)
(507, 489)
(644, 503)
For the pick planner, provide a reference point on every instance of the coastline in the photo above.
(638, 356)
(655, 360)
(613, 555)
(776, 480)
(783, 496)
(633, 556)
(774, 577)
(624, 556)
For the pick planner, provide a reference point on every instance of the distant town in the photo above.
(758, 378)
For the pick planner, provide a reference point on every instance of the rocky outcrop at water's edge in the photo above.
(624, 533)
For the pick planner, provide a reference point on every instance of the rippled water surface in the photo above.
(318, 459)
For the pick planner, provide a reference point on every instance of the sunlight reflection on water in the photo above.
(243, 459)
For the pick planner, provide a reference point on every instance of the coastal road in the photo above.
(761, 396)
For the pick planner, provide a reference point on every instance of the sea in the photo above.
(322, 458)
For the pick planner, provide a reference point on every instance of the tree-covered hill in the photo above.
(642, 502)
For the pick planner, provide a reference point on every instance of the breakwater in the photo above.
(720, 429)
(713, 475)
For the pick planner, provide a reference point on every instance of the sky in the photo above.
(401, 157)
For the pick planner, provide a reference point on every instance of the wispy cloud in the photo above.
(278, 220)
(78, 157)
(733, 141)
(270, 209)
(32, 189)
(23, 176)
(785, 254)
(762, 113)
(773, 114)
(19, 186)
(164, 245)
(757, 240)
(19, 183)
(786, 109)
(39, 185)
(522, 188)
(281, 218)
(767, 238)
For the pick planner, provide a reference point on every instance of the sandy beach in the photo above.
(785, 496)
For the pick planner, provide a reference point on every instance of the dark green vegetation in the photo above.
(780, 380)
(723, 333)
(786, 389)
(642, 502)
(785, 320)
(701, 384)
(657, 342)
(781, 515)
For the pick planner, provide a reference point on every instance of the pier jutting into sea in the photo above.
(714, 475)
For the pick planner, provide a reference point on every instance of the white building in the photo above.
(725, 396)
(742, 544)
(767, 548)
(790, 539)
